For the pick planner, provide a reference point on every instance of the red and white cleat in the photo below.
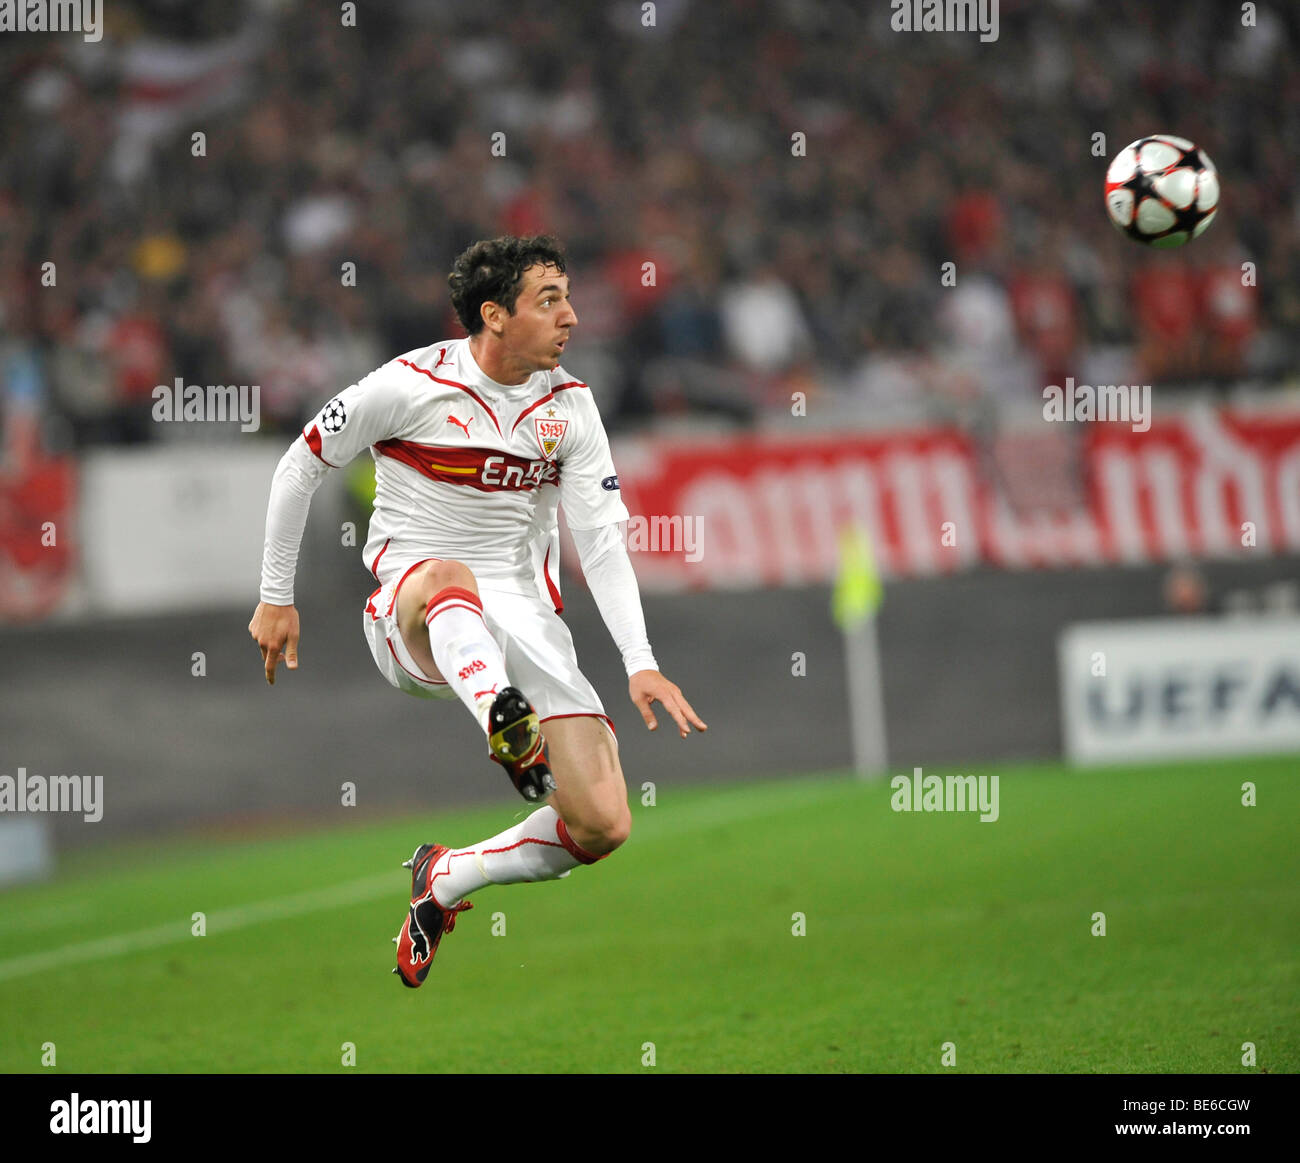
(426, 920)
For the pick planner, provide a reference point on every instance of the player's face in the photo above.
(543, 317)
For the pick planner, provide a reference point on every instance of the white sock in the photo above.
(465, 651)
(540, 848)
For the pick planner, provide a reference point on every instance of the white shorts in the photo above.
(537, 645)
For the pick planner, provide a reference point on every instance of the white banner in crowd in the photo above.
(1180, 688)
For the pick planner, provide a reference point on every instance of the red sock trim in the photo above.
(574, 849)
(445, 595)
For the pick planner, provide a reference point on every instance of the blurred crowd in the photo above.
(757, 199)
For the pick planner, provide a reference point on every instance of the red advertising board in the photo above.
(768, 509)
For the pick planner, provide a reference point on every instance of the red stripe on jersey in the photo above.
(480, 468)
(312, 437)
(453, 384)
(556, 601)
(549, 396)
(375, 566)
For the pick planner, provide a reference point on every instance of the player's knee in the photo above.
(437, 576)
(617, 829)
(601, 832)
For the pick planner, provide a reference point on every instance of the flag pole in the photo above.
(855, 603)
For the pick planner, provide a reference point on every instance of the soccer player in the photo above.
(476, 442)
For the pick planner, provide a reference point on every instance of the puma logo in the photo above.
(442, 358)
(461, 424)
(419, 939)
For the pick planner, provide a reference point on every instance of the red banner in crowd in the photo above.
(37, 521)
(769, 509)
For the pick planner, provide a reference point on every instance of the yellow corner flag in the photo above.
(858, 592)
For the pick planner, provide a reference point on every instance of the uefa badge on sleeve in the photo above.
(550, 434)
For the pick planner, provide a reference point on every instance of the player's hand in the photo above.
(648, 686)
(275, 630)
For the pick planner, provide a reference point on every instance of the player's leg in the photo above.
(587, 818)
(543, 846)
(590, 793)
(585, 821)
(440, 617)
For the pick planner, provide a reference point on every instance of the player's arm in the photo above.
(595, 511)
(609, 574)
(364, 413)
(275, 626)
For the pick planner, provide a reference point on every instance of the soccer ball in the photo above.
(1162, 190)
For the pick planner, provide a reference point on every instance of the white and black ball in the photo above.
(1162, 190)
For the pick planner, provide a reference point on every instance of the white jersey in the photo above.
(470, 469)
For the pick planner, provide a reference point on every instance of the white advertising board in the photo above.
(1180, 687)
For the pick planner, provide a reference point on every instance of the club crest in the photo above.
(550, 434)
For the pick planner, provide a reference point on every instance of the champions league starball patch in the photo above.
(550, 434)
(334, 416)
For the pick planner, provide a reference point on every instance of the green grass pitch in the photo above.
(921, 929)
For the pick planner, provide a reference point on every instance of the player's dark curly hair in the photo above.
(492, 270)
